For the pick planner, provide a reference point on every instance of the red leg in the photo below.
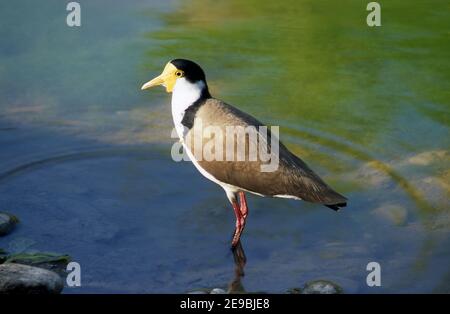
(244, 208)
(238, 230)
(241, 212)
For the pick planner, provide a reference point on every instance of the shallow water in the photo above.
(85, 155)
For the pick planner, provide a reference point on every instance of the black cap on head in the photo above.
(192, 71)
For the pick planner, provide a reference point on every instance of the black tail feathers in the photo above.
(336, 207)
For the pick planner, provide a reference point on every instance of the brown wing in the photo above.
(292, 177)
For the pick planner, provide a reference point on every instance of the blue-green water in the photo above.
(85, 155)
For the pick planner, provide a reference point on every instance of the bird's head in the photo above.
(180, 74)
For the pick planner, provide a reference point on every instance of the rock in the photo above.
(197, 292)
(49, 261)
(396, 214)
(217, 291)
(7, 223)
(426, 158)
(321, 287)
(371, 173)
(24, 279)
(435, 189)
(294, 291)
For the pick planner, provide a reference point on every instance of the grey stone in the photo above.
(50, 261)
(218, 291)
(7, 223)
(429, 157)
(197, 292)
(294, 291)
(24, 279)
(321, 287)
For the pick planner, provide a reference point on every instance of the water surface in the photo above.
(85, 155)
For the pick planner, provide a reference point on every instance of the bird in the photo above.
(193, 108)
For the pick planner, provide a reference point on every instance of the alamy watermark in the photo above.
(373, 279)
(73, 278)
(74, 17)
(374, 17)
(229, 143)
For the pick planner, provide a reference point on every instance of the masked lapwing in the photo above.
(194, 110)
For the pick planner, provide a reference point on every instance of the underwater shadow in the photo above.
(239, 258)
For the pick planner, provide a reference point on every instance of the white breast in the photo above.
(184, 95)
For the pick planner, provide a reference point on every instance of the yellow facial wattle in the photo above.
(167, 78)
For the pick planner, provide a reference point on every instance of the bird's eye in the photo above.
(179, 73)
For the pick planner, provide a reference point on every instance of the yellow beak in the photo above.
(167, 78)
(159, 80)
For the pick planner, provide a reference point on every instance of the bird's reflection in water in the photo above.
(318, 286)
(312, 287)
(235, 285)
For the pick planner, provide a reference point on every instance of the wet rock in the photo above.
(217, 291)
(49, 261)
(321, 287)
(426, 158)
(197, 292)
(435, 189)
(24, 279)
(294, 291)
(317, 287)
(371, 173)
(396, 214)
(7, 223)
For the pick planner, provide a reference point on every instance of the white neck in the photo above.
(184, 95)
